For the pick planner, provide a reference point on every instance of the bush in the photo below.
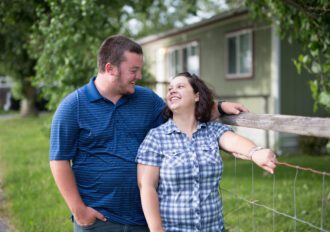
(313, 145)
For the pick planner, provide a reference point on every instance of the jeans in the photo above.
(100, 226)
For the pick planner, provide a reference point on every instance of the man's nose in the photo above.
(139, 76)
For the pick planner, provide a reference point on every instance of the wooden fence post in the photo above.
(311, 126)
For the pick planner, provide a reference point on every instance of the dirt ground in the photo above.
(4, 223)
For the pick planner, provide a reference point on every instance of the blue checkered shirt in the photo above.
(190, 172)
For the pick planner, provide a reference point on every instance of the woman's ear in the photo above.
(197, 97)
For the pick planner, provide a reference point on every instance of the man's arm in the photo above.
(66, 183)
(232, 107)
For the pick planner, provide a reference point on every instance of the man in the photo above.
(95, 135)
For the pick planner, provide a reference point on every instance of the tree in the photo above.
(16, 21)
(52, 45)
(308, 23)
(66, 39)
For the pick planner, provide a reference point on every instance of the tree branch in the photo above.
(300, 7)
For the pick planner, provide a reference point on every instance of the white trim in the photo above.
(7, 104)
(5, 83)
(275, 70)
(217, 18)
(193, 43)
(160, 70)
(180, 48)
(275, 82)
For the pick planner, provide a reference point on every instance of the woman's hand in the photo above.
(266, 159)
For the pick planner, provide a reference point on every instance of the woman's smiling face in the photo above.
(180, 94)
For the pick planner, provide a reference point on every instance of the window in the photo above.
(239, 54)
(184, 58)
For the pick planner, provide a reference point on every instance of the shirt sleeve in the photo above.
(65, 130)
(149, 152)
(218, 129)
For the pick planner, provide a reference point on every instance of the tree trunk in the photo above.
(28, 101)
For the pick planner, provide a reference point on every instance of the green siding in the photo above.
(255, 93)
(296, 97)
(211, 39)
(213, 62)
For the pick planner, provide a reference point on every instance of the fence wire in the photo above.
(253, 202)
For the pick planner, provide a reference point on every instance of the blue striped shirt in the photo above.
(102, 139)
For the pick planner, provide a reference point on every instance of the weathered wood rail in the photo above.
(312, 126)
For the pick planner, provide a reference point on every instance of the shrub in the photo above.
(313, 145)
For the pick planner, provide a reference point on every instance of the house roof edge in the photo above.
(214, 19)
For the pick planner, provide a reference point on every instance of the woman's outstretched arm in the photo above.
(244, 148)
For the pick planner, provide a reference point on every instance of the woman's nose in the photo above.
(172, 91)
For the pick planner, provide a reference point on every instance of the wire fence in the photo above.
(304, 202)
(253, 202)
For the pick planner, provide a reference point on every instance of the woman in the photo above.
(179, 166)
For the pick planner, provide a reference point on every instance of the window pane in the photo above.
(193, 50)
(172, 63)
(245, 54)
(193, 60)
(177, 62)
(232, 55)
(184, 60)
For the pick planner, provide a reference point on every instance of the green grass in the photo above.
(32, 199)
(276, 190)
(34, 203)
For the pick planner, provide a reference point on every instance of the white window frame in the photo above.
(180, 48)
(236, 35)
(5, 82)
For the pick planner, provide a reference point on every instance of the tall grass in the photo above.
(34, 203)
(289, 191)
(32, 199)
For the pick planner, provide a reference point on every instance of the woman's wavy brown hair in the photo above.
(203, 107)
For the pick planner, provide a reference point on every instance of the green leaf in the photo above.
(316, 68)
(314, 86)
(328, 147)
(326, 68)
(298, 65)
(314, 38)
(324, 99)
(314, 52)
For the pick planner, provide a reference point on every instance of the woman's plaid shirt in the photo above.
(190, 172)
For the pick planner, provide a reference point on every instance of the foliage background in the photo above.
(308, 23)
(52, 45)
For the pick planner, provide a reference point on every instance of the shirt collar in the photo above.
(93, 94)
(91, 91)
(170, 127)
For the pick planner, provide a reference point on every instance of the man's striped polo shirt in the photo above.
(102, 139)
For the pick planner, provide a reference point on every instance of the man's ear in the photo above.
(111, 69)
